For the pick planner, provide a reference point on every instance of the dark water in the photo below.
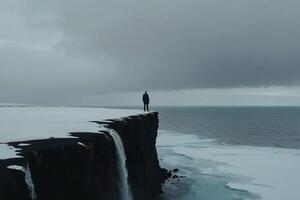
(254, 126)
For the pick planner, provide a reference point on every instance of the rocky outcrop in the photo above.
(84, 167)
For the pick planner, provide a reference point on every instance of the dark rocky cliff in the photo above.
(84, 167)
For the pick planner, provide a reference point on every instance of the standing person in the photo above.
(146, 101)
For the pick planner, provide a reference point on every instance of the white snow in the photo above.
(7, 152)
(273, 173)
(25, 123)
(23, 144)
(16, 167)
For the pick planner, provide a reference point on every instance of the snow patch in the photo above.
(7, 152)
(23, 144)
(28, 123)
(16, 167)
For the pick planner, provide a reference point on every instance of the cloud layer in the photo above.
(63, 49)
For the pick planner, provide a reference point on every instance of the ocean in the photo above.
(230, 153)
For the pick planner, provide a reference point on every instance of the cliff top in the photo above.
(33, 123)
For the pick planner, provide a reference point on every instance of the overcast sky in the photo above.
(191, 52)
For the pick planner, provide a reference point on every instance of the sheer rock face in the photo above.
(84, 167)
(139, 134)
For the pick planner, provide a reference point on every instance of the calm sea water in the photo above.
(254, 126)
(231, 153)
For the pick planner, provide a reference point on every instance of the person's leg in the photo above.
(144, 107)
(147, 107)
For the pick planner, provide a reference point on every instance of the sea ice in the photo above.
(272, 173)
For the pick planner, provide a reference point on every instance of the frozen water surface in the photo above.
(216, 171)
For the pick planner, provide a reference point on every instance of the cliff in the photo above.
(84, 167)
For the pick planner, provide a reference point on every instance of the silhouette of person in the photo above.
(146, 101)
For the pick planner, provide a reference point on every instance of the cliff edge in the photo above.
(84, 167)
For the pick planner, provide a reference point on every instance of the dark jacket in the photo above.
(146, 98)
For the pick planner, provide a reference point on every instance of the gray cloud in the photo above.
(69, 48)
(191, 44)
